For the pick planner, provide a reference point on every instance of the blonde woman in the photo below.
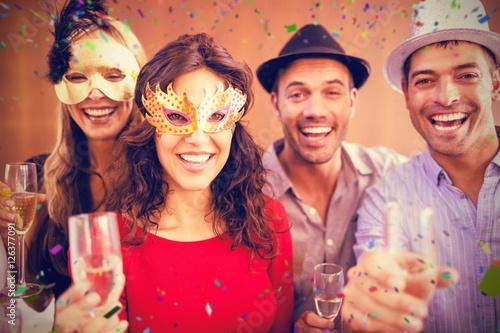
(93, 65)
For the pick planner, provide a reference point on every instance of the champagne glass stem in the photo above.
(20, 242)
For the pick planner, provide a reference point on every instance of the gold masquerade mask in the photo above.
(102, 64)
(172, 114)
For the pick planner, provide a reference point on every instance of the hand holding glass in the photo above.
(328, 282)
(95, 251)
(22, 179)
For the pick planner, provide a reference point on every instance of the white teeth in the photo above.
(448, 128)
(449, 117)
(196, 158)
(98, 112)
(316, 130)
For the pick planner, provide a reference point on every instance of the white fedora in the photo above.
(440, 20)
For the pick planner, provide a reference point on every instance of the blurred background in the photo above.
(252, 30)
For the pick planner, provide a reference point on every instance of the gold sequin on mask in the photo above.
(172, 114)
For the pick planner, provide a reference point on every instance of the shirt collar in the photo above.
(437, 173)
(352, 157)
(279, 182)
(277, 178)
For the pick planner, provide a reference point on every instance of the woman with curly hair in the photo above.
(204, 249)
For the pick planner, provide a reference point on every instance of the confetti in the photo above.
(291, 28)
(489, 284)
(483, 19)
(484, 246)
(208, 308)
(111, 312)
(103, 36)
(365, 317)
(32, 298)
(141, 14)
(38, 15)
(20, 290)
(217, 283)
(373, 289)
(90, 45)
(445, 276)
(56, 249)
(147, 330)
(17, 6)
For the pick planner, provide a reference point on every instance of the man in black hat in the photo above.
(318, 177)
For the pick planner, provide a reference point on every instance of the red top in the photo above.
(203, 286)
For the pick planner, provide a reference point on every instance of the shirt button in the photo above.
(312, 211)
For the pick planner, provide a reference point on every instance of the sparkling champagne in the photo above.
(24, 210)
(101, 271)
(328, 307)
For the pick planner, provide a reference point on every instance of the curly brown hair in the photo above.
(238, 199)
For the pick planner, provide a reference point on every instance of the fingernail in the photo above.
(417, 323)
(418, 311)
(11, 216)
(93, 298)
(9, 203)
(111, 312)
(331, 325)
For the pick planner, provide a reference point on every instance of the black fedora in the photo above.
(312, 41)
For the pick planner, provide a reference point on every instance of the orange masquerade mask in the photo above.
(172, 114)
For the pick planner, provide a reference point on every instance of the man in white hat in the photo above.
(442, 223)
(319, 178)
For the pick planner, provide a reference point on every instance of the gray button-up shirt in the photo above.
(316, 242)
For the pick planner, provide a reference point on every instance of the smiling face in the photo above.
(99, 86)
(449, 97)
(192, 161)
(314, 103)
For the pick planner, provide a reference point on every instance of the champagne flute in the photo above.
(95, 251)
(21, 177)
(328, 282)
